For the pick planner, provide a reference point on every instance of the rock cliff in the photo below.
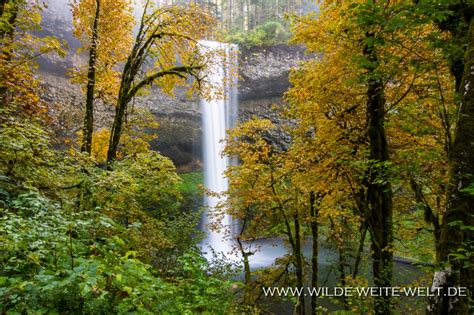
(263, 80)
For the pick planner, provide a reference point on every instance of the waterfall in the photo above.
(218, 114)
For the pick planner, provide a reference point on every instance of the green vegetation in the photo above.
(268, 34)
(379, 126)
(190, 189)
(77, 238)
(57, 261)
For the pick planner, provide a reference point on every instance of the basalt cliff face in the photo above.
(263, 80)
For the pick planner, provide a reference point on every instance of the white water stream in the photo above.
(218, 114)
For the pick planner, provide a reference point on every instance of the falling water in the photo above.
(218, 114)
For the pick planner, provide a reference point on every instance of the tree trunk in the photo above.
(11, 7)
(255, 16)
(342, 272)
(117, 127)
(295, 243)
(247, 272)
(231, 17)
(363, 233)
(246, 15)
(2, 6)
(248, 277)
(277, 9)
(8, 37)
(313, 209)
(458, 220)
(379, 188)
(429, 214)
(128, 75)
(300, 309)
(240, 15)
(88, 128)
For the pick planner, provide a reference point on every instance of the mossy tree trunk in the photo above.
(300, 307)
(88, 128)
(314, 213)
(245, 257)
(456, 239)
(7, 37)
(379, 188)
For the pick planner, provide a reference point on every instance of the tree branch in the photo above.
(179, 71)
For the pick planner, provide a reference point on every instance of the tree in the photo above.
(326, 146)
(456, 236)
(377, 207)
(309, 179)
(261, 193)
(9, 10)
(105, 29)
(376, 62)
(164, 54)
(117, 256)
(19, 50)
